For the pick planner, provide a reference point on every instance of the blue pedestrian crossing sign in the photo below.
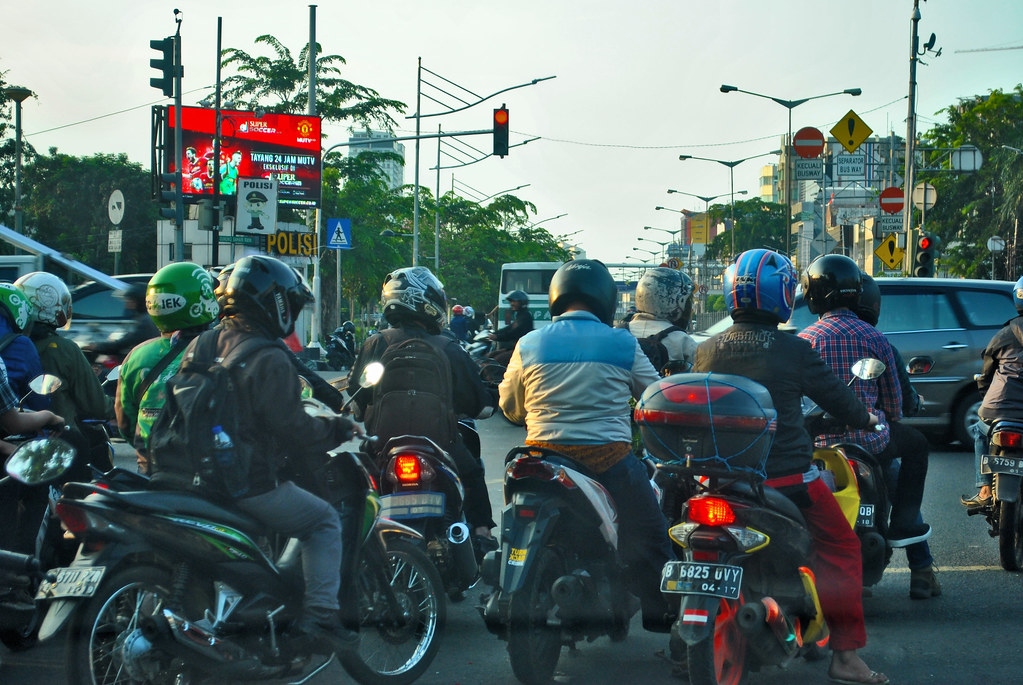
(339, 234)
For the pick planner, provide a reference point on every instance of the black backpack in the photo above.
(653, 347)
(201, 395)
(414, 396)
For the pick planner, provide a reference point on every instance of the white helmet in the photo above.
(468, 312)
(49, 296)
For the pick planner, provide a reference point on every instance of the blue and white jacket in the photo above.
(571, 381)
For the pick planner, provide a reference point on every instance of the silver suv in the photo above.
(940, 327)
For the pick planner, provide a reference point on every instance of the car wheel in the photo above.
(965, 418)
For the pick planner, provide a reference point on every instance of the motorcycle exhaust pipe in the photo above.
(767, 630)
(578, 598)
(462, 554)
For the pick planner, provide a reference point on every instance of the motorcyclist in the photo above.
(664, 298)
(470, 322)
(263, 299)
(181, 302)
(507, 337)
(80, 395)
(415, 305)
(923, 582)
(16, 349)
(459, 324)
(759, 289)
(578, 404)
(139, 331)
(832, 286)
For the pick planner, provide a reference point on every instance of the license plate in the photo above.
(412, 505)
(694, 578)
(865, 519)
(991, 463)
(71, 582)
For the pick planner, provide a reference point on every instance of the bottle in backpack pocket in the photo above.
(231, 473)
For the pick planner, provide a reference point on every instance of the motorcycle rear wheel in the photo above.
(533, 646)
(720, 658)
(1010, 535)
(395, 652)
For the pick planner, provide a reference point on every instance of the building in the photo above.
(378, 141)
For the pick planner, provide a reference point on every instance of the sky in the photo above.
(637, 84)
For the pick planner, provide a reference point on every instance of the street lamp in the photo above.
(663, 244)
(789, 105)
(649, 252)
(543, 221)
(731, 180)
(707, 199)
(19, 95)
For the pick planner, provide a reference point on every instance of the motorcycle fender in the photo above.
(696, 617)
(520, 536)
(1006, 487)
(57, 616)
(386, 528)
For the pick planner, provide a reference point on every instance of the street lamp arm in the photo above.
(482, 99)
(457, 166)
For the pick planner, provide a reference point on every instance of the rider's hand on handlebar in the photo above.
(874, 420)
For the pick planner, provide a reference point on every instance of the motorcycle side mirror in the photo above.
(40, 461)
(371, 375)
(46, 384)
(307, 388)
(868, 368)
(114, 374)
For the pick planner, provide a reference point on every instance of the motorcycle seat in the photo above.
(187, 504)
(775, 500)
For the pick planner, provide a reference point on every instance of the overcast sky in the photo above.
(637, 83)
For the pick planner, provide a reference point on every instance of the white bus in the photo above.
(534, 279)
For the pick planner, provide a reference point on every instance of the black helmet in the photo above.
(267, 292)
(587, 281)
(414, 294)
(135, 293)
(666, 294)
(869, 307)
(517, 296)
(831, 281)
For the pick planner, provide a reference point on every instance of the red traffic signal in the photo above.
(501, 131)
(925, 242)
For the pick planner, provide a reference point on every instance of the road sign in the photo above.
(850, 131)
(257, 206)
(889, 223)
(703, 290)
(114, 239)
(240, 239)
(851, 165)
(809, 169)
(674, 263)
(808, 142)
(924, 195)
(115, 209)
(996, 243)
(889, 251)
(339, 234)
(699, 229)
(892, 200)
(966, 158)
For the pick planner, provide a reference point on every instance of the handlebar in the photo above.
(18, 563)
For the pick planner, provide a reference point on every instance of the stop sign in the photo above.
(892, 200)
(808, 142)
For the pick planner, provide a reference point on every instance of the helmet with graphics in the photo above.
(761, 281)
(414, 294)
(49, 297)
(16, 305)
(666, 294)
(180, 296)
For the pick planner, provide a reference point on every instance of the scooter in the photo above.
(1004, 458)
(341, 347)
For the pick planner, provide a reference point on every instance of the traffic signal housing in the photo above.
(165, 65)
(927, 249)
(501, 131)
(170, 193)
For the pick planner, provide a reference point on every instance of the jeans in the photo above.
(918, 555)
(980, 431)
(292, 511)
(909, 445)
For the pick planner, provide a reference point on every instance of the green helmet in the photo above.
(181, 296)
(17, 305)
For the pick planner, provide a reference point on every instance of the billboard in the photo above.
(285, 147)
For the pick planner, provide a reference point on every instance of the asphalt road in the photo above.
(969, 634)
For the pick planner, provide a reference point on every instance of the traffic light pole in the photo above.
(179, 200)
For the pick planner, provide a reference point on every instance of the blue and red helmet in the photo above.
(761, 280)
(1017, 295)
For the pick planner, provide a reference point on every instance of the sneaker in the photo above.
(923, 583)
(903, 536)
(976, 502)
(324, 638)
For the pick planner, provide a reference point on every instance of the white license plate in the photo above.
(71, 582)
(865, 519)
(991, 463)
(695, 578)
(412, 505)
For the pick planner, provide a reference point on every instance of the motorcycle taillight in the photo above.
(75, 519)
(531, 467)
(407, 468)
(711, 511)
(1010, 439)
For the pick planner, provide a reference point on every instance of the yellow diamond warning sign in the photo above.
(850, 131)
(889, 251)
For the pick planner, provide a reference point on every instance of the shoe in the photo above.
(481, 545)
(904, 536)
(923, 583)
(976, 502)
(325, 638)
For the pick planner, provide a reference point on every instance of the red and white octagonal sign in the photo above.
(892, 200)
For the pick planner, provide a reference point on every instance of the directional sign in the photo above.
(115, 209)
(851, 165)
(889, 223)
(892, 200)
(114, 240)
(808, 142)
(850, 131)
(809, 169)
(889, 251)
(339, 234)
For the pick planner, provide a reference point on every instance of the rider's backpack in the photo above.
(414, 396)
(653, 347)
(201, 395)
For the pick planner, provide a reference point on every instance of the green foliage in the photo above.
(716, 303)
(757, 224)
(8, 156)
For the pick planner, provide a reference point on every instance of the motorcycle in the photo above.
(1004, 459)
(341, 347)
(557, 578)
(171, 587)
(747, 596)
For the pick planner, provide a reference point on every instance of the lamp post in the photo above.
(19, 95)
(543, 221)
(663, 244)
(731, 180)
(789, 105)
(649, 252)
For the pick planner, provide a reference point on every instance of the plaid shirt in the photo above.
(8, 400)
(841, 339)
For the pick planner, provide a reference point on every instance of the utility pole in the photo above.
(907, 220)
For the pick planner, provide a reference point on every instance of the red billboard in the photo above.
(281, 146)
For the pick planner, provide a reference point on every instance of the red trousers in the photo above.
(837, 564)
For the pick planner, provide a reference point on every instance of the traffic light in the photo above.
(501, 131)
(165, 65)
(170, 192)
(927, 247)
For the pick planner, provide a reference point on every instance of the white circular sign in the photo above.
(115, 207)
(967, 158)
(996, 243)
(924, 195)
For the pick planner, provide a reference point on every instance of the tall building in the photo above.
(377, 141)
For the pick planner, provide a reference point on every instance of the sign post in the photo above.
(115, 210)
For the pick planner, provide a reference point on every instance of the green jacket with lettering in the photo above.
(135, 416)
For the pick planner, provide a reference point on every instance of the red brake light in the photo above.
(1007, 439)
(407, 468)
(74, 518)
(710, 511)
(531, 467)
(693, 394)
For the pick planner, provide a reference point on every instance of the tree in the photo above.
(757, 224)
(279, 84)
(8, 154)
